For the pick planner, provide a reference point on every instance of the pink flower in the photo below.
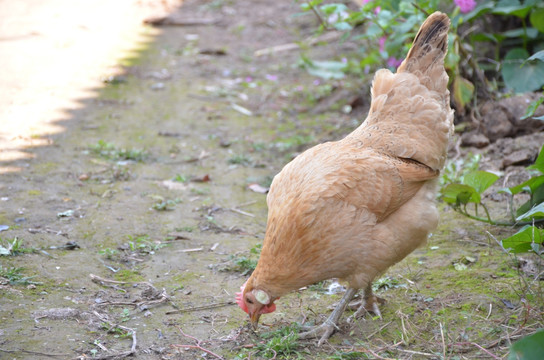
(465, 5)
(377, 10)
(393, 62)
(381, 42)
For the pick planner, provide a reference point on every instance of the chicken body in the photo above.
(352, 208)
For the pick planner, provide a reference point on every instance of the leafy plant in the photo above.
(111, 152)
(281, 343)
(474, 184)
(142, 244)
(528, 348)
(165, 205)
(13, 247)
(14, 276)
(478, 50)
(246, 263)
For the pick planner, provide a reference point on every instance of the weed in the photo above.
(246, 263)
(111, 152)
(125, 315)
(165, 205)
(180, 178)
(185, 228)
(142, 244)
(386, 283)
(14, 276)
(281, 343)
(109, 253)
(293, 142)
(240, 160)
(14, 247)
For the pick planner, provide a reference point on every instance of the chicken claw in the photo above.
(369, 304)
(326, 329)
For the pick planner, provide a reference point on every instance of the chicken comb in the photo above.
(239, 299)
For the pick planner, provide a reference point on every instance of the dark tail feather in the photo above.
(430, 44)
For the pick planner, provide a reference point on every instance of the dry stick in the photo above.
(479, 347)
(241, 212)
(330, 36)
(416, 352)
(132, 350)
(197, 346)
(198, 308)
(443, 341)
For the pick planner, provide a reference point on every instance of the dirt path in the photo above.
(54, 53)
(137, 211)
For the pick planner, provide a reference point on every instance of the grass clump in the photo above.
(111, 152)
(14, 276)
(14, 247)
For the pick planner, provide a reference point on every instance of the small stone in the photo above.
(520, 157)
(474, 139)
(83, 177)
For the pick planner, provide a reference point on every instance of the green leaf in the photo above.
(521, 78)
(460, 194)
(342, 26)
(326, 69)
(534, 104)
(536, 212)
(480, 180)
(529, 32)
(537, 19)
(530, 185)
(528, 348)
(478, 11)
(462, 91)
(511, 7)
(539, 55)
(521, 241)
(4, 251)
(539, 162)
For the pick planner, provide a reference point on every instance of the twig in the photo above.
(416, 352)
(191, 250)
(132, 350)
(319, 17)
(379, 330)
(96, 279)
(203, 307)
(479, 347)
(246, 204)
(241, 212)
(197, 346)
(330, 36)
(443, 341)
(421, 9)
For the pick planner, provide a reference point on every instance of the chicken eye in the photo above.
(249, 301)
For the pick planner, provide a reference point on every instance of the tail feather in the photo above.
(429, 46)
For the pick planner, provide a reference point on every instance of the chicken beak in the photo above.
(254, 319)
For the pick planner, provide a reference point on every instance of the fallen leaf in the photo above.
(178, 236)
(204, 178)
(258, 188)
(173, 185)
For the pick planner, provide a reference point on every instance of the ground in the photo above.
(135, 221)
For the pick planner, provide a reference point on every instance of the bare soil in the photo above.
(136, 218)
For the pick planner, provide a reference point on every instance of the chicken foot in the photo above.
(368, 304)
(326, 329)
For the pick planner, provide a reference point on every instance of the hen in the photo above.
(352, 208)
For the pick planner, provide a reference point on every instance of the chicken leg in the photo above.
(326, 329)
(368, 304)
